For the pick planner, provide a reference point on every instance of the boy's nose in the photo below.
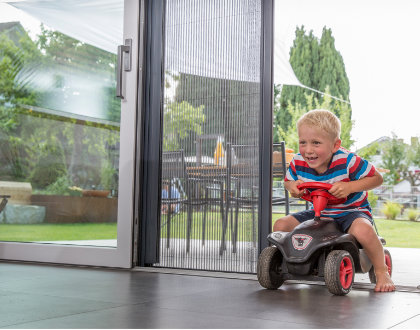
(308, 151)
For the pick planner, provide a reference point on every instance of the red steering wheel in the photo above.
(321, 189)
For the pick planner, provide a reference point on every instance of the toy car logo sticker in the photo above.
(301, 241)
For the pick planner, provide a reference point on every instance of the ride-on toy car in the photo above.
(316, 250)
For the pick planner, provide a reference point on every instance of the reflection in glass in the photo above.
(59, 132)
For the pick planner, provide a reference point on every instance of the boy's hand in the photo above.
(340, 189)
(291, 187)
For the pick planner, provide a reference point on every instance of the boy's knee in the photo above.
(286, 223)
(278, 224)
(362, 228)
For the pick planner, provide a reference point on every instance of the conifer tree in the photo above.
(330, 70)
(317, 64)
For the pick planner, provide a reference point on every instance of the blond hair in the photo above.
(322, 119)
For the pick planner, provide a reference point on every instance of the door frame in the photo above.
(266, 124)
(120, 256)
(149, 168)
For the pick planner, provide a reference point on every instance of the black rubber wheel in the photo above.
(388, 262)
(269, 268)
(339, 272)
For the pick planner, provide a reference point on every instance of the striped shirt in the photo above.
(344, 166)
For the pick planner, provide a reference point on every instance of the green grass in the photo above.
(213, 226)
(397, 233)
(57, 232)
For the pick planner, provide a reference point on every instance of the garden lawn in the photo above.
(213, 226)
(397, 233)
(57, 232)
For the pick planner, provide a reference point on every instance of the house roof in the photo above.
(13, 30)
(380, 140)
(9, 25)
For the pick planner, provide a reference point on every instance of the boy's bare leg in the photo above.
(363, 231)
(287, 223)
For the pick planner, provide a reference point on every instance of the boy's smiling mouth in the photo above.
(311, 159)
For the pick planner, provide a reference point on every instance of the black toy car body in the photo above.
(316, 250)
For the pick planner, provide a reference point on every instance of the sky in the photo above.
(9, 14)
(378, 40)
(379, 43)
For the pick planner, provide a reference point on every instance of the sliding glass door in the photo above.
(67, 155)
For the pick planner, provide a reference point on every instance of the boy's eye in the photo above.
(316, 142)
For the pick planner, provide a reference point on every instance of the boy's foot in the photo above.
(384, 282)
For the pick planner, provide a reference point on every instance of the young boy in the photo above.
(322, 159)
(174, 195)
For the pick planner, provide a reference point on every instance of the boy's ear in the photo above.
(337, 145)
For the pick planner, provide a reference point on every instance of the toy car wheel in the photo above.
(388, 262)
(269, 268)
(339, 272)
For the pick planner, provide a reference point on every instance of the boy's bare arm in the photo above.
(343, 189)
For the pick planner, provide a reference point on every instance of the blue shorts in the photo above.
(343, 222)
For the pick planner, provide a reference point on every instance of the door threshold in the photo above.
(191, 272)
(253, 277)
(363, 286)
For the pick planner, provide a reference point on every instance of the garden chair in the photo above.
(174, 174)
(4, 200)
(242, 182)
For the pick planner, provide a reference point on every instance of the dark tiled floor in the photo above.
(45, 296)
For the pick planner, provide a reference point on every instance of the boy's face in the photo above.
(316, 147)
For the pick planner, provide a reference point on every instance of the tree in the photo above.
(400, 159)
(304, 57)
(14, 91)
(230, 109)
(393, 159)
(68, 57)
(296, 111)
(369, 151)
(289, 134)
(179, 120)
(330, 71)
(16, 52)
(317, 64)
(410, 169)
(23, 132)
(50, 165)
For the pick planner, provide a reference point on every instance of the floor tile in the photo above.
(47, 296)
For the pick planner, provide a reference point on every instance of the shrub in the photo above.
(13, 158)
(50, 166)
(59, 187)
(62, 187)
(373, 199)
(109, 177)
(412, 214)
(391, 210)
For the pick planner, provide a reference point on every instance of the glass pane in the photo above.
(210, 172)
(59, 132)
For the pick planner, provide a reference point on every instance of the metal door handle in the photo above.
(124, 58)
